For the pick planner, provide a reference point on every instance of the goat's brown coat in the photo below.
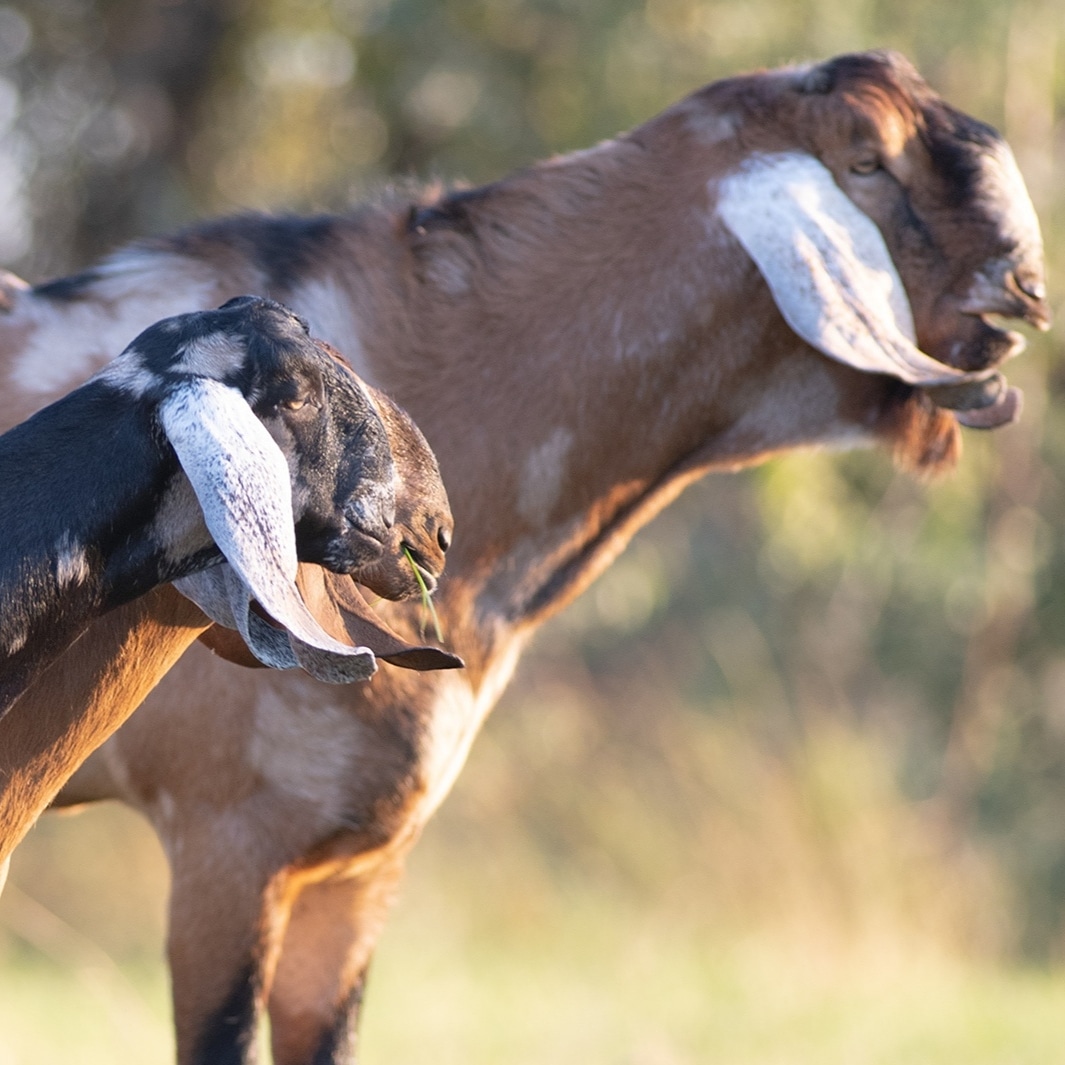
(578, 342)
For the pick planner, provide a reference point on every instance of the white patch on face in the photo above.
(328, 309)
(71, 565)
(1008, 189)
(543, 475)
(69, 340)
(216, 355)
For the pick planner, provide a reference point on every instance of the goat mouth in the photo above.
(990, 341)
(1008, 341)
(986, 401)
(429, 576)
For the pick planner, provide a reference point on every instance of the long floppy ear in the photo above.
(827, 267)
(336, 601)
(225, 598)
(338, 607)
(241, 480)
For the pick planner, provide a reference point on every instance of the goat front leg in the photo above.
(226, 923)
(317, 986)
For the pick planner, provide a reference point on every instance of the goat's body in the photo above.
(577, 343)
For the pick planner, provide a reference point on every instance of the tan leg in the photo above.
(318, 983)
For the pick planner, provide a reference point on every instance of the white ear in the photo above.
(241, 480)
(827, 266)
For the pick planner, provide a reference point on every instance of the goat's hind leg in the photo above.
(317, 987)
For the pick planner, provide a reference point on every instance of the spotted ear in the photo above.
(827, 266)
(241, 480)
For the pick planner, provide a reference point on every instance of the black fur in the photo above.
(229, 1034)
(283, 248)
(68, 289)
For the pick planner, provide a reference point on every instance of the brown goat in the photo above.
(578, 342)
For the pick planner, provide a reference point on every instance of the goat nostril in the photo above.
(443, 537)
(1031, 287)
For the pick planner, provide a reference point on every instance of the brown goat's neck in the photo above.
(567, 399)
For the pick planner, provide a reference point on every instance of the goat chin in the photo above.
(577, 341)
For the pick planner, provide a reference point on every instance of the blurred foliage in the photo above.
(818, 698)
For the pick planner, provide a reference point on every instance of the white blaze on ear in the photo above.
(241, 480)
(214, 355)
(827, 266)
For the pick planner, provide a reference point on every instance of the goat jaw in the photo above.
(1005, 409)
(985, 403)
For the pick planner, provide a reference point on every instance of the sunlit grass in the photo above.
(53, 1012)
(595, 984)
(679, 898)
(588, 981)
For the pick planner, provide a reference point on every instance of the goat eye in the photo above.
(866, 166)
(296, 403)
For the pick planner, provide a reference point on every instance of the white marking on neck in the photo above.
(69, 339)
(457, 715)
(306, 747)
(128, 374)
(711, 127)
(71, 565)
(178, 525)
(16, 642)
(327, 307)
(543, 475)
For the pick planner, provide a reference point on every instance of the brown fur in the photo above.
(82, 698)
(578, 342)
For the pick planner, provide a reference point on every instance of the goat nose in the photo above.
(1032, 289)
(372, 511)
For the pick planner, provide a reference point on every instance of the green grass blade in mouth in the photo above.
(427, 601)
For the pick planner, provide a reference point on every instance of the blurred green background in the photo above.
(788, 784)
